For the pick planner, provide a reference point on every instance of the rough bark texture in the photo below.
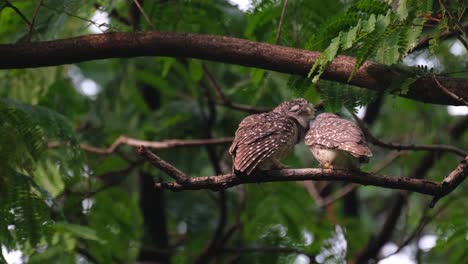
(223, 49)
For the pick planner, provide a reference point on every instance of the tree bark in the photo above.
(371, 75)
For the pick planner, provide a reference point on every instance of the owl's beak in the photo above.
(310, 110)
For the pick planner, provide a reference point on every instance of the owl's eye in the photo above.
(294, 108)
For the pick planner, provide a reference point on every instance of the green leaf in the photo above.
(196, 70)
(402, 10)
(80, 231)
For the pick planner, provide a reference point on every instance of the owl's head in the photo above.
(299, 109)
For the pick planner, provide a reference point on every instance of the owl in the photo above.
(337, 143)
(262, 140)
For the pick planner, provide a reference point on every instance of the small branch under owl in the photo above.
(221, 182)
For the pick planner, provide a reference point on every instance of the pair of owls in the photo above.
(262, 140)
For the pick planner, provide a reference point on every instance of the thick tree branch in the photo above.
(184, 182)
(222, 49)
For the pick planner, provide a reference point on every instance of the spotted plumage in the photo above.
(262, 140)
(337, 143)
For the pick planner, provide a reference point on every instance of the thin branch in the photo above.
(33, 20)
(453, 179)
(221, 182)
(144, 14)
(10, 5)
(165, 144)
(23, 17)
(170, 170)
(313, 192)
(424, 41)
(224, 49)
(435, 147)
(463, 41)
(226, 101)
(280, 24)
(114, 14)
(455, 21)
(447, 91)
(339, 194)
(91, 22)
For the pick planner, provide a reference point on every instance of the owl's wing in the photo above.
(259, 137)
(337, 133)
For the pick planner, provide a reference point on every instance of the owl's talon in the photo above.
(327, 165)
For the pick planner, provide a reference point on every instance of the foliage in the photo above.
(59, 204)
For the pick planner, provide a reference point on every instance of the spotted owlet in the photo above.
(262, 140)
(337, 143)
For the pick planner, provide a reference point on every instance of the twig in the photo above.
(455, 21)
(280, 24)
(25, 19)
(79, 17)
(313, 192)
(225, 101)
(113, 13)
(424, 41)
(463, 41)
(10, 5)
(435, 147)
(144, 14)
(447, 91)
(184, 182)
(165, 144)
(339, 194)
(33, 20)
